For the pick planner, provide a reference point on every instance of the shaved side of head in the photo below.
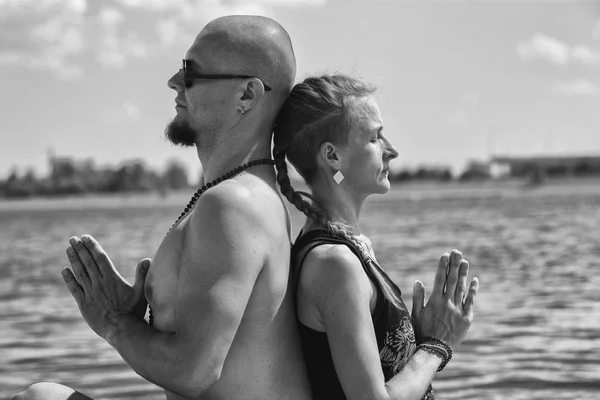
(255, 46)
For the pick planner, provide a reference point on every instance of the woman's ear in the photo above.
(329, 155)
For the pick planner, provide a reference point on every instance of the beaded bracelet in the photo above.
(437, 347)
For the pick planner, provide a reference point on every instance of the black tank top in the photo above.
(393, 325)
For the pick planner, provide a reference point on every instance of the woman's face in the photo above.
(365, 160)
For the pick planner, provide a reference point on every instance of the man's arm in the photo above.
(222, 257)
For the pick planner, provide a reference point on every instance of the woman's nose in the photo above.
(391, 150)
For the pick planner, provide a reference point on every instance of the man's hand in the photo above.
(102, 294)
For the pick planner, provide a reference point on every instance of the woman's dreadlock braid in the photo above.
(292, 195)
(312, 211)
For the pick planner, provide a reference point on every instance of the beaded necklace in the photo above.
(198, 193)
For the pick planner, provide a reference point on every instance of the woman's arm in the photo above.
(334, 281)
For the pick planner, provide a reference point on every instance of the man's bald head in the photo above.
(248, 45)
(252, 46)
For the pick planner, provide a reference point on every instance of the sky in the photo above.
(458, 80)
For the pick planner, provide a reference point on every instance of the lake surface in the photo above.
(536, 333)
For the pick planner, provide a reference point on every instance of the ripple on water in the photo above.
(536, 333)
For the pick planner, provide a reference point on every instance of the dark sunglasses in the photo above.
(189, 75)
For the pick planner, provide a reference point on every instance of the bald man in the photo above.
(222, 317)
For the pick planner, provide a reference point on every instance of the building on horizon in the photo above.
(551, 166)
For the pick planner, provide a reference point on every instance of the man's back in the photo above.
(224, 324)
(264, 358)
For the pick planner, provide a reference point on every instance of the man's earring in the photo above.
(338, 177)
(242, 111)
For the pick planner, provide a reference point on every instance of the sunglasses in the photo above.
(189, 75)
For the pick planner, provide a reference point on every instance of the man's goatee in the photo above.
(180, 133)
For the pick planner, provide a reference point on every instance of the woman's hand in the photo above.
(449, 311)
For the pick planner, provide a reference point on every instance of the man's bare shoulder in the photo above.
(247, 202)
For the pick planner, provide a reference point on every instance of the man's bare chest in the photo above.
(163, 278)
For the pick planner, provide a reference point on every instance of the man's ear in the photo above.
(251, 92)
(329, 155)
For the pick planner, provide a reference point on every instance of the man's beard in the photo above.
(180, 133)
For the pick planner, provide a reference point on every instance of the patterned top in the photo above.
(393, 325)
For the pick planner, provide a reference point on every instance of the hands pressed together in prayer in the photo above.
(448, 313)
(102, 294)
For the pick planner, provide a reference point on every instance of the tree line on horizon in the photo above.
(71, 177)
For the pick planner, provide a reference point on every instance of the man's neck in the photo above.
(230, 154)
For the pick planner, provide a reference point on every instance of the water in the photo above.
(536, 333)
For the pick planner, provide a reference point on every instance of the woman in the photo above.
(359, 340)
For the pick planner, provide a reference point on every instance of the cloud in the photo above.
(109, 53)
(115, 51)
(157, 5)
(545, 48)
(129, 111)
(43, 34)
(180, 19)
(116, 45)
(295, 2)
(59, 37)
(132, 111)
(110, 17)
(585, 55)
(577, 87)
(11, 58)
(169, 31)
(78, 6)
(52, 35)
(596, 31)
(210, 6)
(188, 16)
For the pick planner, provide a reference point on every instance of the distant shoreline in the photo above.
(498, 188)
(410, 191)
